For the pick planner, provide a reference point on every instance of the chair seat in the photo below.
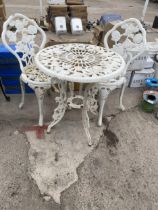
(32, 73)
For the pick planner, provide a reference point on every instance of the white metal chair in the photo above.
(28, 38)
(124, 36)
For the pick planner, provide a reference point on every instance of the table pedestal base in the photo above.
(87, 102)
(62, 105)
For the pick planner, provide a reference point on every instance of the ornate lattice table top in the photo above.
(82, 63)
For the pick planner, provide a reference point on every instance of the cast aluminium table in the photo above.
(89, 65)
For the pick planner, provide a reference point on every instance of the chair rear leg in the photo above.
(6, 97)
(122, 94)
(22, 85)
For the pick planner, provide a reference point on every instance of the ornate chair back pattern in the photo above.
(124, 36)
(27, 36)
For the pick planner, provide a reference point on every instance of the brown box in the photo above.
(84, 23)
(2, 10)
(1, 25)
(78, 8)
(87, 37)
(55, 11)
(109, 26)
(78, 11)
(100, 31)
(75, 2)
(2, 15)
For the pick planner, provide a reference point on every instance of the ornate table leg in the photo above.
(103, 94)
(62, 105)
(89, 104)
(1, 86)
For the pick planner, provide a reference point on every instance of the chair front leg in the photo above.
(122, 94)
(40, 93)
(6, 97)
(22, 85)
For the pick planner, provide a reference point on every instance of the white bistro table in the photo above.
(86, 64)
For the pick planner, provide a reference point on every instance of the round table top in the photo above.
(83, 63)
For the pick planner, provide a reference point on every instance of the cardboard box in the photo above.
(138, 77)
(78, 11)
(56, 11)
(75, 2)
(101, 30)
(143, 61)
(139, 62)
(109, 26)
(1, 25)
(78, 8)
(56, 1)
(2, 11)
(128, 77)
(2, 15)
(84, 23)
(87, 38)
(152, 49)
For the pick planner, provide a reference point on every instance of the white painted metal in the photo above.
(125, 36)
(144, 10)
(83, 63)
(26, 35)
(41, 7)
(56, 1)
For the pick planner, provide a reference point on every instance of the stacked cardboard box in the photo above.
(87, 38)
(79, 11)
(74, 2)
(56, 11)
(56, 1)
(2, 10)
(68, 11)
(100, 32)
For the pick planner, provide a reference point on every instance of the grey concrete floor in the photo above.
(119, 174)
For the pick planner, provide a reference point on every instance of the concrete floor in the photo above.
(120, 173)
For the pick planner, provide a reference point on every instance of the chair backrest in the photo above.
(27, 36)
(125, 36)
